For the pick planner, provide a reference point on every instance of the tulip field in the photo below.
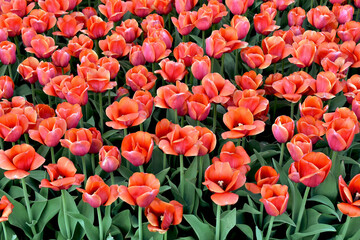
(179, 119)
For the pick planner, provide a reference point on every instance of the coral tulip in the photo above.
(172, 71)
(97, 28)
(275, 198)
(6, 208)
(139, 77)
(299, 145)
(254, 57)
(137, 148)
(235, 156)
(6, 87)
(49, 132)
(283, 129)
(78, 141)
(70, 113)
(349, 196)
(12, 126)
(265, 175)
(109, 158)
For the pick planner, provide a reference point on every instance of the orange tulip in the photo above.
(283, 129)
(19, 160)
(264, 23)
(241, 24)
(326, 86)
(198, 106)
(221, 179)
(42, 46)
(68, 26)
(163, 7)
(6, 208)
(141, 8)
(265, 175)
(162, 215)
(62, 175)
(349, 196)
(7, 52)
(124, 114)
(254, 57)
(299, 145)
(296, 16)
(303, 53)
(114, 10)
(204, 18)
(97, 193)
(12, 126)
(293, 86)
(145, 101)
(313, 106)
(341, 113)
(77, 140)
(250, 80)
(12, 23)
(110, 64)
(349, 31)
(216, 88)
(237, 7)
(184, 5)
(137, 148)
(114, 46)
(54, 87)
(6, 87)
(49, 132)
(235, 156)
(45, 71)
(218, 10)
(77, 44)
(174, 97)
(311, 127)
(97, 141)
(136, 56)
(154, 49)
(27, 69)
(181, 141)
(141, 191)
(162, 129)
(276, 47)
(19, 7)
(257, 104)
(322, 18)
(152, 21)
(241, 123)
(109, 158)
(172, 71)
(311, 170)
(269, 90)
(207, 140)
(340, 133)
(185, 23)
(140, 78)
(58, 7)
(275, 198)
(129, 29)
(70, 113)
(187, 52)
(75, 91)
(99, 80)
(97, 28)
(343, 13)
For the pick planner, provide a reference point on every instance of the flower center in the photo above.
(161, 217)
(221, 183)
(357, 197)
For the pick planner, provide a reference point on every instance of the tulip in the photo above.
(163, 7)
(139, 77)
(78, 141)
(218, 9)
(129, 29)
(19, 160)
(221, 179)
(44, 111)
(152, 22)
(204, 18)
(340, 133)
(45, 71)
(75, 91)
(141, 8)
(124, 114)
(42, 46)
(109, 158)
(275, 198)
(237, 7)
(299, 145)
(343, 13)
(352, 87)
(6, 87)
(198, 106)
(12, 126)
(187, 52)
(276, 47)
(97, 141)
(49, 132)
(154, 49)
(312, 106)
(264, 23)
(355, 105)
(77, 44)
(283, 129)
(97, 28)
(141, 191)
(70, 113)
(137, 148)
(162, 129)
(254, 57)
(62, 175)
(296, 16)
(185, 23)
(320, 17)
(174, 97)
(97, 193)
(68, 26)
(121, 92)
(145, 101)
(303, 53)
(89, 12)
(311, 127)
(257, 104)
(110, 64)
(235, 156)
(349, 31)
(6, 208)
(27, 69)
(99, 80)
(184, 5)
(162, 215)
(311, 170)
(241, 24)
(201, 66)
(40, 20)
(136, 56)
(114, 46)
(11, 22)
(27, 35)
(249, 80)
(241, 123)
(349, 196)
(172, 71)
(114, 10)
(61, 58)
(207, 140)
(19, 7)
(57, 7)
(269, 90)
(341, 113)
(7, 52)
(265, 175)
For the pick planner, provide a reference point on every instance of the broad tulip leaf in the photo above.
(90, 230)
(118, 220)
(107, 220)
(246, 230)
(51, 209)
(202, 230)
(314, 229)
(227, 222)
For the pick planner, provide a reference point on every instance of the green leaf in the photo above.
(284, 218)
(227, 222)
(328, 188)
(43, 150)
(90, 230)
(3, 70)
(118, 220)
(258, 234)
(16, 192)
(314, 229)
(107, 220)
(70, 208)
(22, 90)
(202, 230)
(322, 199)
(125, 172)
(336, 102)
(110, 133)
(249, 209)
(51, 209)
(246, 230)
(161, 175)
(326, 210)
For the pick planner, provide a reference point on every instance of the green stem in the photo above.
(27, 203)
(13, 144)
(201, 163)
(140, 223)
(67, 226)
(112, 178)
(261, 215)
(270, 228)
(93, 163)
(141, 168)
(176, 116)
(302, 208)
(212, 64)
(214, 119)
(109, 97)
(165, 236)
(344, 228)
(282, 66)
(1, 143)
(182, 121)
(336, 165)
(182, 183)
(10, 72)
(243, 142)
(49, 100)
(312, 4)
(282, 154)
(141, 127)
(164, 160)
(101, 228)
(33, 93)
(101, 114)
(84, 167)
(126, 161)
(358, 15)
(203, 41)
(4, 230)
(52, 155)
(218, 217)
(26, 136)
(222, 65)
(236, 62)
(292, 110)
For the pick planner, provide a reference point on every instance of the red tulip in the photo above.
(343, 13)
(137, 148)
(68, 26)
(75, 91)
(61, 58)
(141, 191)
(313, 106)
(275, 198)
(237, 7)
(62, 175)
(97, 193)
(109, 158)
(349, 196)
(200, 67)
(349, 31)
(12, 126)
(299, 145)
(283, 129)
(78, 141)
(276, 47)
(97, 28)
(6, 208)
(70, 113)
(204, 18)
(218, 9)
(172, 71)
(340, 133)
(57, 7)
(162, 129)
(163, 7)
(207, 140)
(311, 127)
(265, 175)
(19, 160)
(6, 87)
